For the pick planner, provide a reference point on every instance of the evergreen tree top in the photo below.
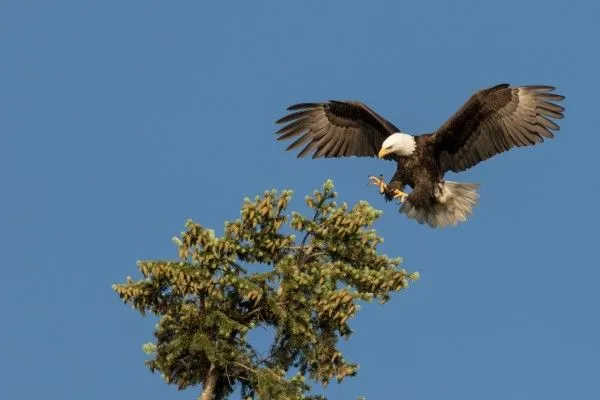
(214, 295)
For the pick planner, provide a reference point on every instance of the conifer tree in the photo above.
(259, 274)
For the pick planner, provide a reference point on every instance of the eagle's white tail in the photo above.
(454, 203)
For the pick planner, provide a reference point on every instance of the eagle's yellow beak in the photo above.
(383, 153)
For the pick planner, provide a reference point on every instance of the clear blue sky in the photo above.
(122, 119)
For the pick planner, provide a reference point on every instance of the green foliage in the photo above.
(210, 299)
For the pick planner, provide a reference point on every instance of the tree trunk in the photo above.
(210, 383)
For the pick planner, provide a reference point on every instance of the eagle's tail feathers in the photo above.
(455, 202)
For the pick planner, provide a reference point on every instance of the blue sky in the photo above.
(120, 120)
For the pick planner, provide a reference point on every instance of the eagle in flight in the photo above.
(492, 121)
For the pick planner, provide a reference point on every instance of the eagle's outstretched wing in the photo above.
(335, 129)
(493, 121)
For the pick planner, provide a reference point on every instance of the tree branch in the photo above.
(210, 383)
(317, 213)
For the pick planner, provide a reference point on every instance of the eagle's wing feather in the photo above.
(335, 129)
(495, 120)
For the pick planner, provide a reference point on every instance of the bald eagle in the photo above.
(492, 121)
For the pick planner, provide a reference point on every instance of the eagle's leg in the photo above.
(379, 183)
(394, 191)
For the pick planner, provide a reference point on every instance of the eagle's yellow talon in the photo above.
(379, 183)
(398, 194)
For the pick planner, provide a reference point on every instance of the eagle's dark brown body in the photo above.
(492, 121)
(420, 171)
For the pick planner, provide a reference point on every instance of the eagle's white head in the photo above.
(398, 143)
